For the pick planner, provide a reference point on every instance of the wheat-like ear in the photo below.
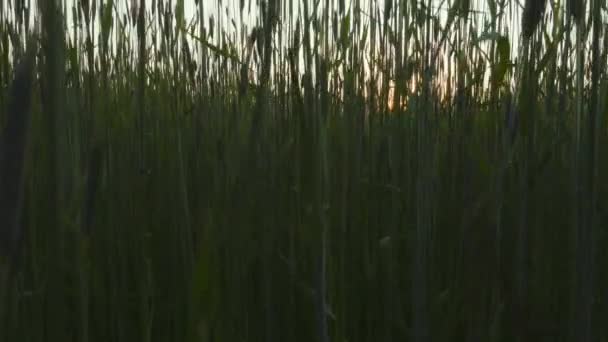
(533, 13)
(12, 155)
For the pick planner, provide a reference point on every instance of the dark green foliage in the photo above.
(374, 171)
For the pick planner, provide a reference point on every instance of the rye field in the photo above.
(304, 170)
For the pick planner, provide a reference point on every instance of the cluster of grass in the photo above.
(321, 171)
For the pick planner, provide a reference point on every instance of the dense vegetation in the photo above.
(303, 171)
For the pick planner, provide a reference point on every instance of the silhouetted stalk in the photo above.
(585, 183)
(12, 157)
(422, 231)
(527, 114)
(322, 205)
(141, 83)
(55, 121)
(13, 145)
(582, 282)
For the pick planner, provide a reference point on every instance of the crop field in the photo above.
(304, 170)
